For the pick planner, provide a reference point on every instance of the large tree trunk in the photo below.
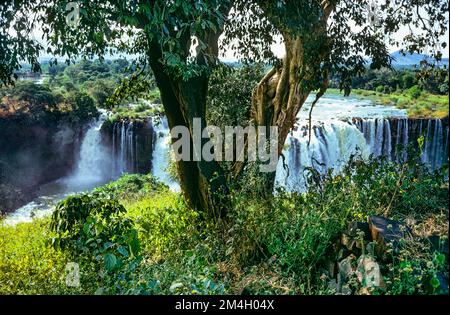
(277, 100)
(203, 183)
(280, 95)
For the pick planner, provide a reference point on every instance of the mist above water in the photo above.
(93, 167)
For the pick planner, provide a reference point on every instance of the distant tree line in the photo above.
(388, 81)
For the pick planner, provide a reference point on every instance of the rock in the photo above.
(360, 226)
(345, 270)
(331, 269)
(368, 273)
(385, 231)
(333, 286)
(347, 241)
(345, 290)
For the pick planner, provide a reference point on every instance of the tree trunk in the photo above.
(280, 95)
(203, 183)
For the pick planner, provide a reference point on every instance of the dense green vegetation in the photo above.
(134, 236)
(80, 88)
(422, 94)
(228, 232)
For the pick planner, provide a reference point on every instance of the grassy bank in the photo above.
(419, 104)
(281, 244)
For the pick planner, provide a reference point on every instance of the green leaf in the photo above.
(435, 283)
(123, 251)
(135, 247)
(107, 245)
(440, 258)
(110, 261)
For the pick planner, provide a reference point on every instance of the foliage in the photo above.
(82, 106)
(27, 264)
(131, 186)
(132, 112)
(34, 93)
(384, 79)
(426, 105)
(94, 227)
(414, 92)
(274, 245)
(239, 82)
(44, 104)
(417, 269)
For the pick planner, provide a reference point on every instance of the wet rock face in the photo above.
(33, 153)
(131, 145)
(387, 232)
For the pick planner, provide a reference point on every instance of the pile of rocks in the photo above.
(354, 265)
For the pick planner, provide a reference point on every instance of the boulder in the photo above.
(387, 232)
(362, 227)
(333, 286)
(347, 241)
(345, 271)
(368, 273)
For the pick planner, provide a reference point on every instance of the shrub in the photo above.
(83, 106)
(35, 93)
(414, 92)
(28, 265)
(379, 89)
(132, 186)
(94, 226)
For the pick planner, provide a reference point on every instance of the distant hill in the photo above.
(412, 59)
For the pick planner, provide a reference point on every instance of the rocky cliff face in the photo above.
(36, 147)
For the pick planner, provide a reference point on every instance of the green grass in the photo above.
(267, 245)
(425, 106)
(139, 112)
(28, 265)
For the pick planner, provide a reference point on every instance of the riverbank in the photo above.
(417, 104)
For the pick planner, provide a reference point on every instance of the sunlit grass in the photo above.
(425, 106)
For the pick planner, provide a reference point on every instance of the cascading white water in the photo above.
(332, 144)
(334, 141)
(92, 167)
(124, 151)
(161, 151)
(378, 130)
(91, 171)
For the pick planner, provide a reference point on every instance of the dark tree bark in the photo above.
(203, 183)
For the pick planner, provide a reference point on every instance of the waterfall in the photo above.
(124, 151)
(161, 151)
(334, 141)
(332, 144)
(92, 166)
(387, 144)
(405, 140)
